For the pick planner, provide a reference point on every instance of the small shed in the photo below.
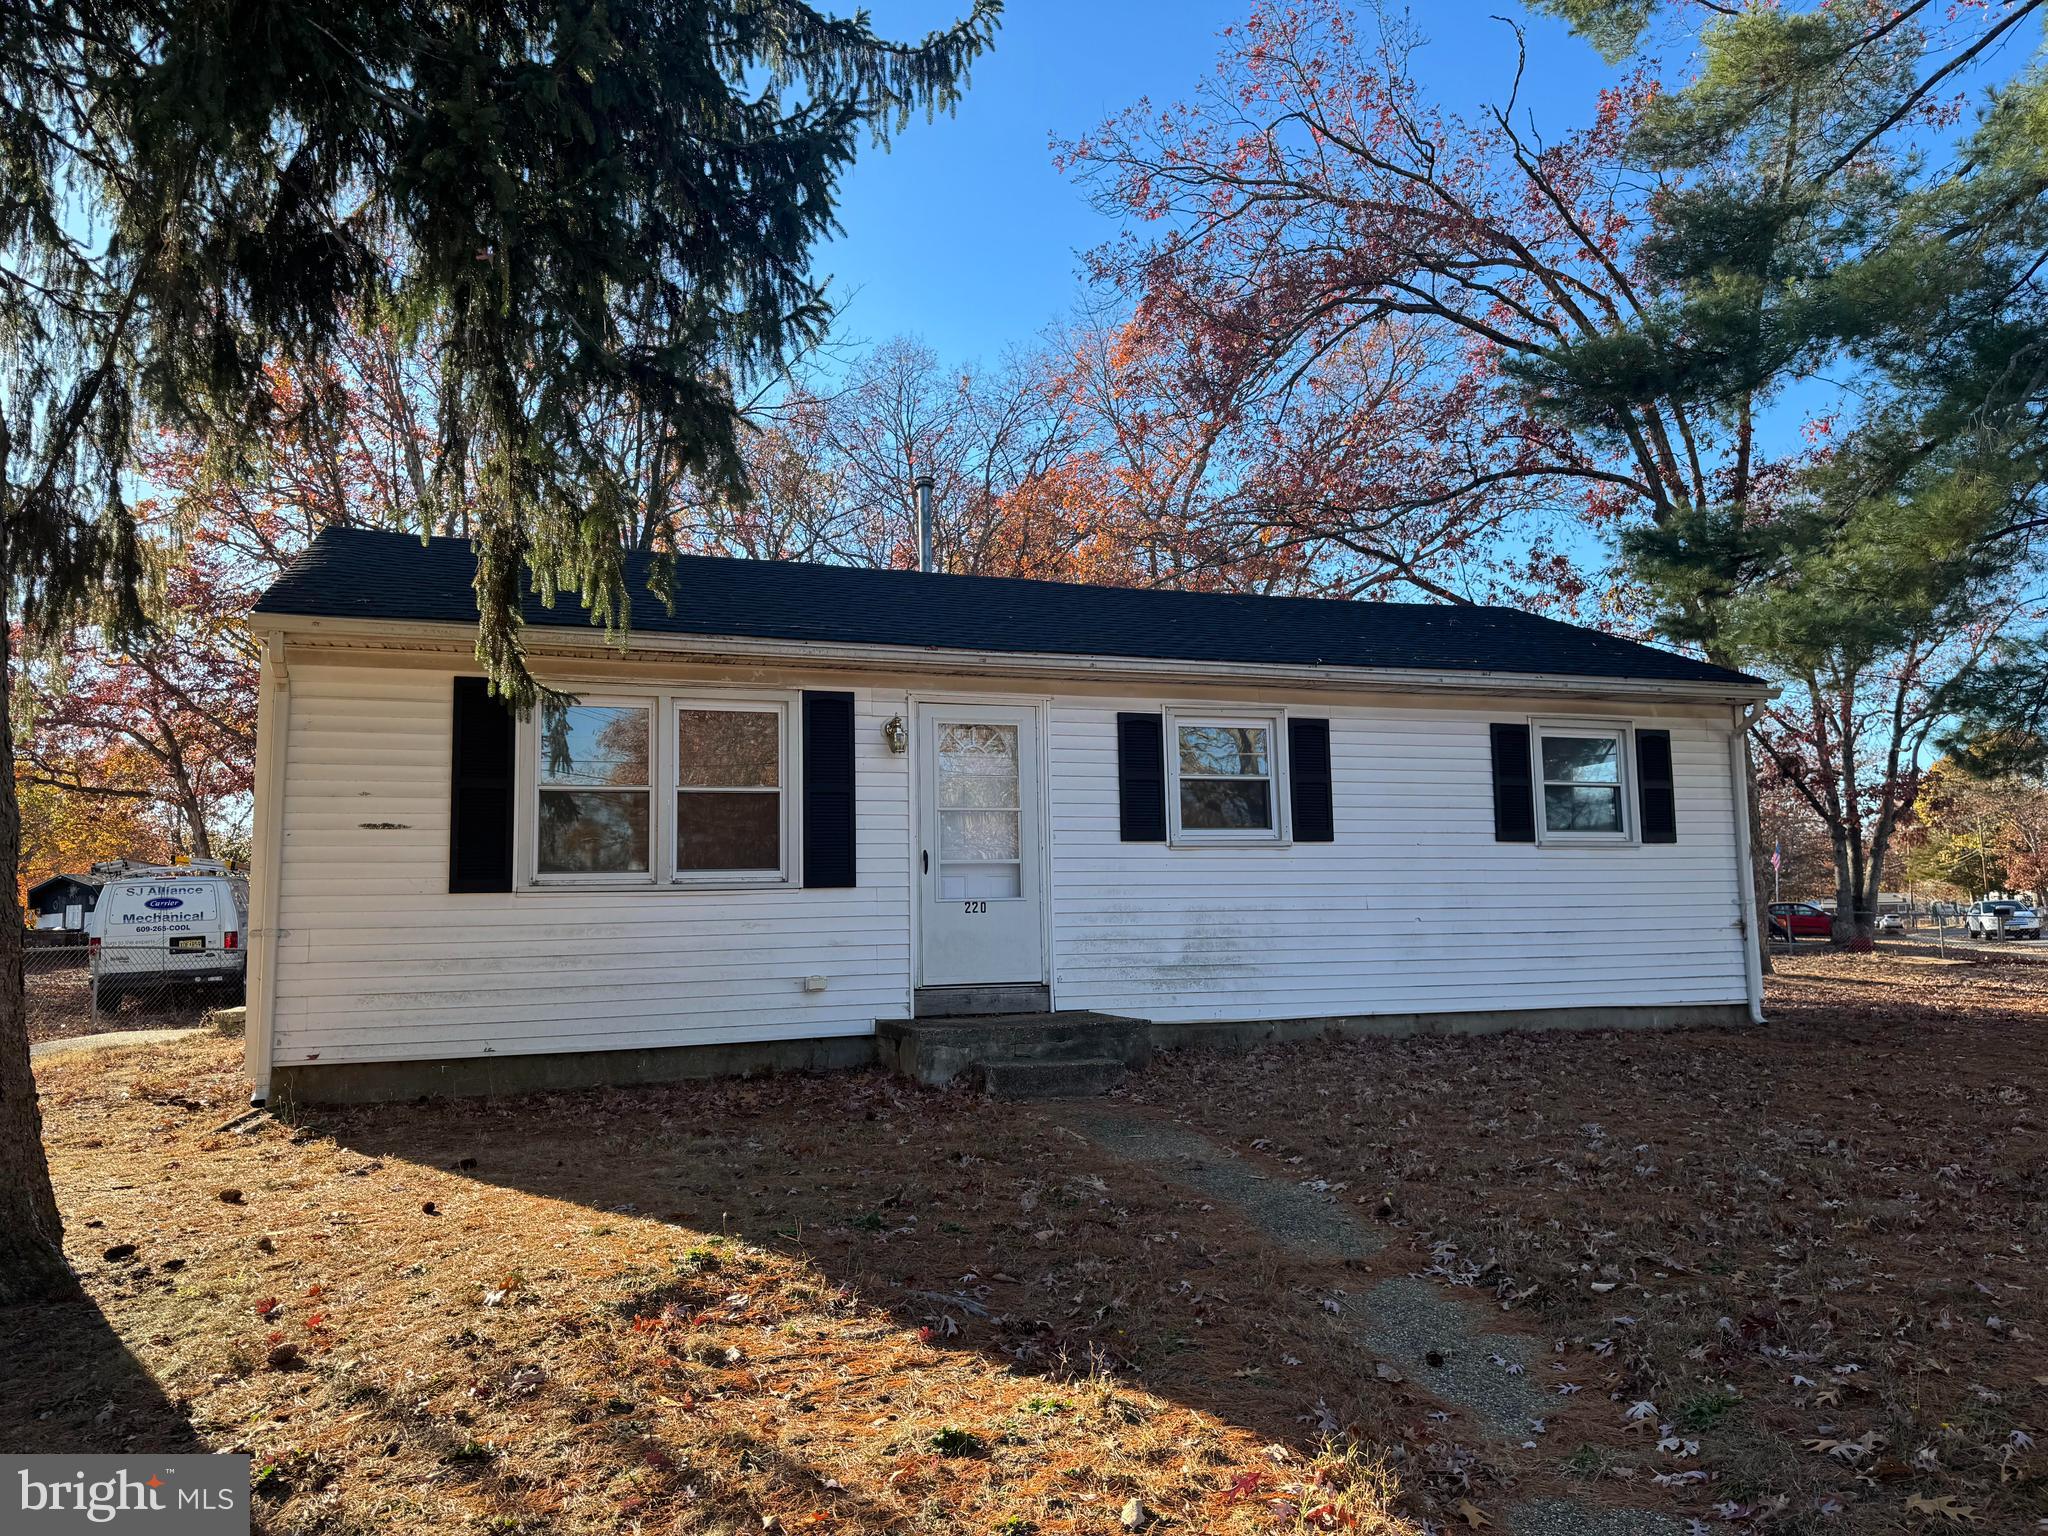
(63, 901)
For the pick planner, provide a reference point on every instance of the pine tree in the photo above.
(592, 204)
(1796, 229)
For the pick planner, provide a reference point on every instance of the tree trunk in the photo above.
(1856, 883)
(1759, 855)
(1845, 886)
(32, 1266)
(189, 808)
(1759, 860)
(1871, 901)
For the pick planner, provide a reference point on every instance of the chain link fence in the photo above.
(1940, 924)
(75, 988)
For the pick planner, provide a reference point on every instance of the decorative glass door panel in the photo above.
(980, 813)
(979, 846)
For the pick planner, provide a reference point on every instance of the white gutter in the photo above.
(1745, 868)
(273, 724)
(549, 641)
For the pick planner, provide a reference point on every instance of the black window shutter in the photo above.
(1308, 780)
(1141, 778)
(1514, 789)
(481, 792)
(1656, 791)
(828, 791)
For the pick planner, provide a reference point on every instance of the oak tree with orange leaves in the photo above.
(1315, 250)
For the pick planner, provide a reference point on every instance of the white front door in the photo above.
(978, 864)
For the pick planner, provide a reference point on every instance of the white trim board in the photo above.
(552, 641)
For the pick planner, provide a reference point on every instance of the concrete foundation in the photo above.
(933, 1056)
(1241, 1035)
(370, 1082)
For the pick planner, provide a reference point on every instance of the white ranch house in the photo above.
(815, 801)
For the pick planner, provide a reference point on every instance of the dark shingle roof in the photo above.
(363, 574)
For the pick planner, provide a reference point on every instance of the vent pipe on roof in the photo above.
(924, 523)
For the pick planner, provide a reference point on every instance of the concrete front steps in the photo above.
(1017, 1055)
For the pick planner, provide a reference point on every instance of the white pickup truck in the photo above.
(182, 925)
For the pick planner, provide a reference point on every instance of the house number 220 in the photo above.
(977, 906)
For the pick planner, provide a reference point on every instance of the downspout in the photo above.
(273, 722)
(1745, 874)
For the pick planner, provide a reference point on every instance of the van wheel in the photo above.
(105, 998)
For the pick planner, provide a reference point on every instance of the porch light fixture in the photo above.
(894, 733)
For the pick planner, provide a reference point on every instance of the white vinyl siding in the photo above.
(377, 962)
(1413, 909)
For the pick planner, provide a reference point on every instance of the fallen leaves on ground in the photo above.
(1945, 1506)
(1785, 1249)
(761, 1305)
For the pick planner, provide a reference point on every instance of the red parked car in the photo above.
(1800, 920)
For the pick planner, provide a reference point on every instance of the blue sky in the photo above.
(963, 234)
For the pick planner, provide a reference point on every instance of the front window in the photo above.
(661, 789)
(595, 789)
(1226, 779)
(728, 790)
(1582, 783)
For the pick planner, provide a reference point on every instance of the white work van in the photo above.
(183, 925)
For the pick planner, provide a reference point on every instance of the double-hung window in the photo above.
(730, 811)
(662, 789)
(1584, 782)
(595, 787)
(1226, 773)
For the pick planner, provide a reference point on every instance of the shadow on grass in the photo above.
(68, 1383)
(633, 1446)
(982, 1229)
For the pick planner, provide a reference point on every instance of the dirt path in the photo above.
(1294, 1218)
(1405, 1321)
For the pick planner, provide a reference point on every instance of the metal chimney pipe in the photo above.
(924, 523)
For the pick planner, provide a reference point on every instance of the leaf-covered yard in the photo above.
(1769, 1280)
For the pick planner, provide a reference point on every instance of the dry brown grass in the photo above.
(845, 1304)
(830, 1303)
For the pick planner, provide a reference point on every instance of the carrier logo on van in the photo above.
(163, 903)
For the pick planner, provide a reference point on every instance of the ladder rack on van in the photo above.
(129, 869)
